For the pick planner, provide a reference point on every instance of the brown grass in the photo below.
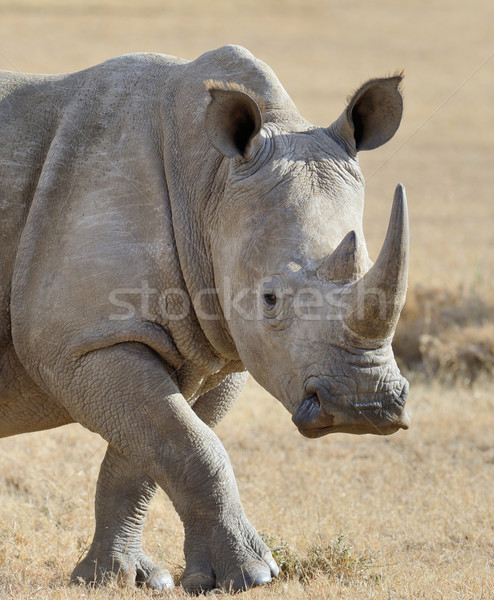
(333, 560)
(446, 334)
(418, 505)
(415, 509)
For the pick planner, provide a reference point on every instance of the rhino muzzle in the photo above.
(321, 413)
(374, 302)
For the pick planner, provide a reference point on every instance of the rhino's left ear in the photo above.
(233, 120)
(372, 116)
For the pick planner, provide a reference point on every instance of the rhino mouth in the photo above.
(320, 413)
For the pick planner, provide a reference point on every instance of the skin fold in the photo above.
(165, 227)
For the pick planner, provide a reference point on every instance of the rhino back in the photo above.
(51, 125)
(35, 113)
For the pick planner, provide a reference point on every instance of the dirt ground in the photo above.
(418, 504)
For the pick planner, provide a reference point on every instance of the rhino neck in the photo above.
(196, 177)
(193, 216)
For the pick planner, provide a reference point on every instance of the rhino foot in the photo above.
(130, 570)
(231, 563)
(246, 577)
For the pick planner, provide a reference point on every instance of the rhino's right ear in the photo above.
(233, 120)
(372, 116)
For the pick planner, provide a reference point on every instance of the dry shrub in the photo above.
(334, 560)
(448, 334)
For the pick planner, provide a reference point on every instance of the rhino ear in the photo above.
(372, 116)
(233, 120)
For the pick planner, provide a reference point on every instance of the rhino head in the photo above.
(310, 315)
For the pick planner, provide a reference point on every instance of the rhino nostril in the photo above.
(308, 412)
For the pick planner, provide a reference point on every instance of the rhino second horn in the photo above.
(345, 264)
(376, 300)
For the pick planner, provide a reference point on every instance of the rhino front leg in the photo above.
(125, 393)
(123, 495)
(116, 547)
(211, 407)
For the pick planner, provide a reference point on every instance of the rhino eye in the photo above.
(270, 299)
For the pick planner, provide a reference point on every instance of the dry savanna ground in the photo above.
(410, 516)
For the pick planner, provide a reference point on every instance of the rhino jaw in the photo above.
(320, 414)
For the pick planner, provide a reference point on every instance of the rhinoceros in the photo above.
(167, 226)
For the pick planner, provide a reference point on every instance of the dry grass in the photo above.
(446, 334)
(417, 505)
(334, 560)
(415, 509)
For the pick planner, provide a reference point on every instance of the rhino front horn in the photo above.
(376, 300)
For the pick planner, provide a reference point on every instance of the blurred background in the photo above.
(322, 51)
(421, 504)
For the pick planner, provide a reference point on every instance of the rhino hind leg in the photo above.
(212, 406)
(123, 495)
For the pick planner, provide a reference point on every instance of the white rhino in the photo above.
(164, 226)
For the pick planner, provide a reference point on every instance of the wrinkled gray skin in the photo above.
(137, 187)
